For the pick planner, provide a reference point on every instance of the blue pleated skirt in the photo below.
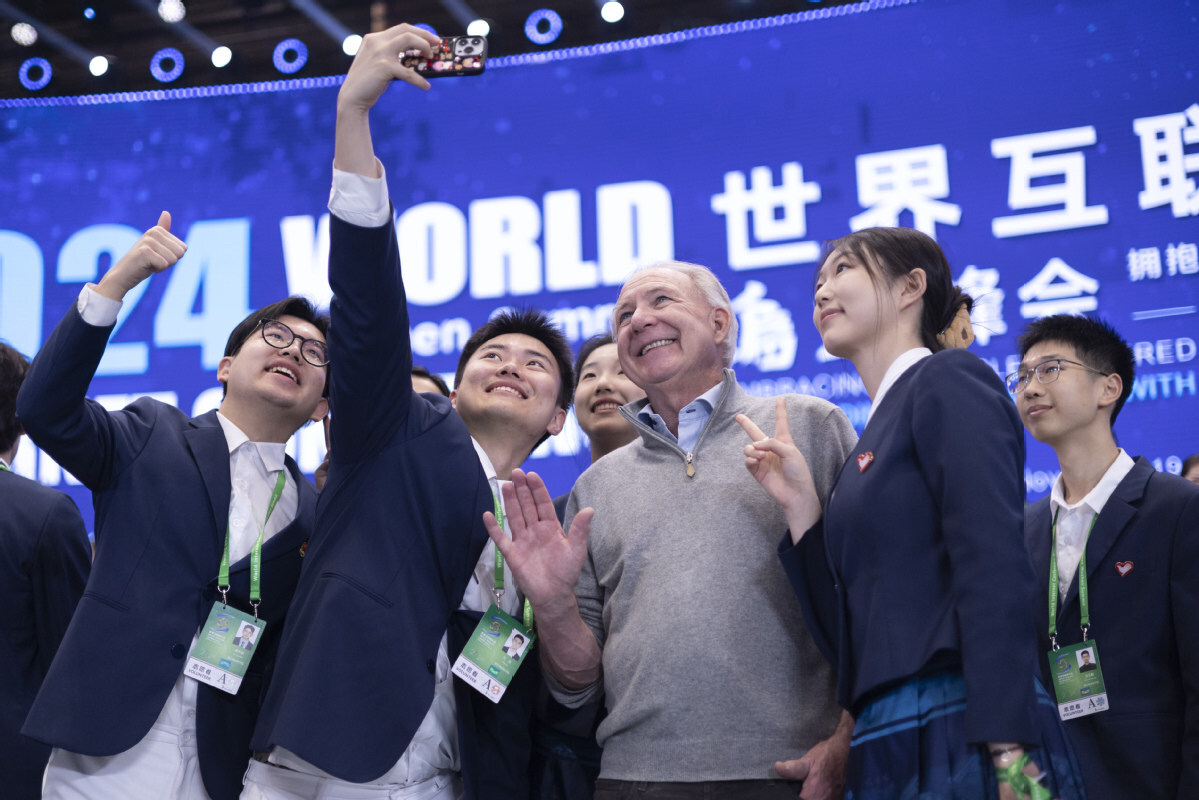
(910, 744)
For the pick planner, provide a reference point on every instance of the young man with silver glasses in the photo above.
(1114, 549)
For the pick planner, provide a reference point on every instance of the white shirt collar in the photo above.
(271, 453)
(900, 365)
(1097, 498)
(488, 469)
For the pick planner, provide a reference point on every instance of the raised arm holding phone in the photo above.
(399, 571)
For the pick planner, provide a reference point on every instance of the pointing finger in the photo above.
(747, 424)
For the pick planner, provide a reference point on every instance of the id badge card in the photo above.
(1078, 680)
(224, 648)
(496, 649)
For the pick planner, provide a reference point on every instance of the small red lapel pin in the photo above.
(1123, 567)
(304, 548)
(864, 460)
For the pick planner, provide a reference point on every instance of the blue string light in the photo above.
(542, 57)
(533, 26)
(297, 48)
(625, 45)
(34, 84)
(176, 58)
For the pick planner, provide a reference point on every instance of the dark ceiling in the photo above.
(129, 33)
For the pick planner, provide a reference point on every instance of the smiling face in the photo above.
(511, 380)
(259, 377)
(1079, 402)
(603, 388)
(668, 336)
(850, 311)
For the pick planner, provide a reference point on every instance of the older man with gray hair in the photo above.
(680, 613)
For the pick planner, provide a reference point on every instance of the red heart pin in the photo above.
(864, 460)
(1123, 567)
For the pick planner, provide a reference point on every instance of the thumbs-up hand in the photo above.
(156, 250)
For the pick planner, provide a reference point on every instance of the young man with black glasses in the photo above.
(1115, 548)
(200, 524)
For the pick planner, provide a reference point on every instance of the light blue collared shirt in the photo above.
(691, 418)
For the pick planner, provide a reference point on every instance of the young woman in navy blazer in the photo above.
(914, 579)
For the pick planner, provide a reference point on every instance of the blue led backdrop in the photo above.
(1053, 150)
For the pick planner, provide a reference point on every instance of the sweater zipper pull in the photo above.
(690, 465)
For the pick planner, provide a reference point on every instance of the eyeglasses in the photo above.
(279, 336)
(1046, 372)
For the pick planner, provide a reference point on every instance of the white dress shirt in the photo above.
(1074, 520)
(254, 469)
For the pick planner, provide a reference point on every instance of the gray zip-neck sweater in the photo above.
(708, 669)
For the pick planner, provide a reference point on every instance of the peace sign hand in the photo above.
(776, 464)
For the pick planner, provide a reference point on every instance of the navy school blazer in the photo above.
(918, 564)
(399, 531)
(1143, 586)
(45, 558)
(160, 484)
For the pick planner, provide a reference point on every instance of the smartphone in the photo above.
(456, 56)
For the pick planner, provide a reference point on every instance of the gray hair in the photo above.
(709, 288)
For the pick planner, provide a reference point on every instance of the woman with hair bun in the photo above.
(914, 580)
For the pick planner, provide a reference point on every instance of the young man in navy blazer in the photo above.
(171, 492)
(363, 703)
(1139, 532)
(44, 561)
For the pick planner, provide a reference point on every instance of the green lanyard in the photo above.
(1013, 775)
(255, 554)
(1083, 598)
(499, 566)
(4, 467)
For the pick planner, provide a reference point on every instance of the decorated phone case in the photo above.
(457, 56)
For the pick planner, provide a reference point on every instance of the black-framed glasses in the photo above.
(279, 336)
(1046, 372)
